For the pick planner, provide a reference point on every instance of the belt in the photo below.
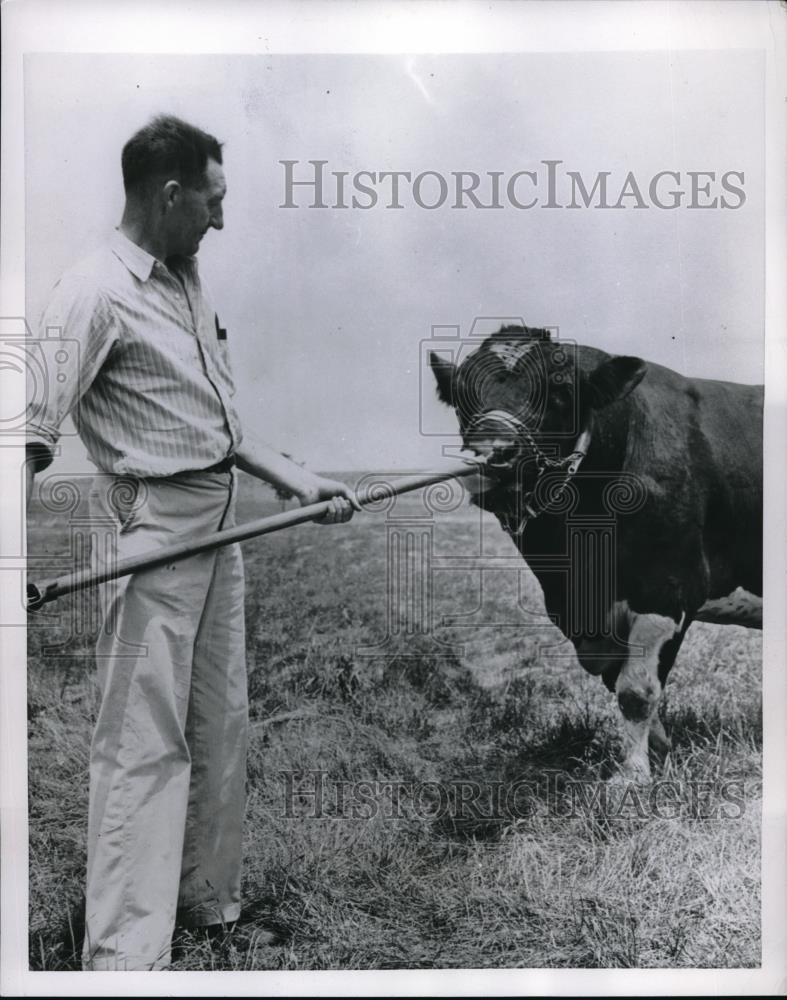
(225, 465)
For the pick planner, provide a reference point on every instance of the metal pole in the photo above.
(42, 593)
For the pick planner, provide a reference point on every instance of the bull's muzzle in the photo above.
(496, 436)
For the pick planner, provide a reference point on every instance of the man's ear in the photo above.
(615, 379)
(171, 192)
(445, 376)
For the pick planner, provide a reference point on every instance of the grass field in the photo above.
(457, 826)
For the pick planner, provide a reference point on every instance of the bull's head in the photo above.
(525, 400)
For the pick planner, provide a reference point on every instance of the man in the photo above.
(154, 388)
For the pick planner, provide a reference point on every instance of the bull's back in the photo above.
(707, 447)
(730, 420)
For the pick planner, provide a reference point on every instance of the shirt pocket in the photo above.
(222, 356)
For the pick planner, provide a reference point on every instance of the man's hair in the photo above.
(171, 147)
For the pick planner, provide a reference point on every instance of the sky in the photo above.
(329, 311)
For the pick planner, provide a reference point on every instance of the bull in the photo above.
(645, 483)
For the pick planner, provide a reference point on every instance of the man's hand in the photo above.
(260, 460)
(343, 500)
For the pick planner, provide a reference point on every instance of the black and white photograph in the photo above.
(393, 516)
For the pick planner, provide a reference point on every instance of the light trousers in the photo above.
(168, 757)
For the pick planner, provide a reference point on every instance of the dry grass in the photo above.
(539, 885)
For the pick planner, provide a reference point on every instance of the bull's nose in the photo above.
(494, 436)
(497, 448)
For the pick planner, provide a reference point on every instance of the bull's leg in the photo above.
(638, 690)
(659, 741)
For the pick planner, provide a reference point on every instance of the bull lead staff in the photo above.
(154, 386)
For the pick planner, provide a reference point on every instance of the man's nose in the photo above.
(217, 218)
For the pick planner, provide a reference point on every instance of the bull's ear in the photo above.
(445, 374)
(615, 379)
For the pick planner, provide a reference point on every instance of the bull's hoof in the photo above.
(632, 771)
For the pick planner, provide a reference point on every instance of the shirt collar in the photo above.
(137, 260)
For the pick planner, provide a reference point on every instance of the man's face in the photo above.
(196, 210)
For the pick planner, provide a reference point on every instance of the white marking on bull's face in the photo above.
(511, 352)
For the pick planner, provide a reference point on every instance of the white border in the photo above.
(386, 26)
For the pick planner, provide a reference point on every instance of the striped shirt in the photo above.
(133, 349)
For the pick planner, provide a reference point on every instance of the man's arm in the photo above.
(30, 473)
(261, 460)
(78, 311)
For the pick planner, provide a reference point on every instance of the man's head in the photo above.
(172, 171)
